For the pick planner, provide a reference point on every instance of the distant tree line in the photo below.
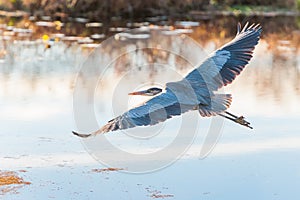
(99, 9)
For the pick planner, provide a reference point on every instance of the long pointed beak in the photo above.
(143, 93)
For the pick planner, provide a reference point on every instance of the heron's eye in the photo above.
(151, 90)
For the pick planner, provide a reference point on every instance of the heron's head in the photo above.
(149, 92)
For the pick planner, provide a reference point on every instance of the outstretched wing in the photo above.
(223, 65)
(153, 111)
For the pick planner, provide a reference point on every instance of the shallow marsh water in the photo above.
(36, 92)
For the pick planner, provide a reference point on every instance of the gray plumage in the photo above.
(197, 90)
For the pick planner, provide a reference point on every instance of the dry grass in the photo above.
(110, 169)
(10, 182)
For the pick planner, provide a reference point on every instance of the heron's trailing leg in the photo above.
(240, 120)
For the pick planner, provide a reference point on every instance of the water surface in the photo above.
(36, 92)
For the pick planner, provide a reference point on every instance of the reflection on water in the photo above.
(271, 79)
(36, 86)
(32, 76)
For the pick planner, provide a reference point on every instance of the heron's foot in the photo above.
(240, 120)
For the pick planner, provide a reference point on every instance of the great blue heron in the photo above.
(197, 91)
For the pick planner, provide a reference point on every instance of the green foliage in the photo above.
(16, 4)
(298, 4)
(241, 9)
(298, 21)
(11, 21)
(248, 9)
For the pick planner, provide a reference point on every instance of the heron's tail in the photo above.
(219, 103)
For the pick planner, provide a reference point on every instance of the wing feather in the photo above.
(156, 110)
(223, 65)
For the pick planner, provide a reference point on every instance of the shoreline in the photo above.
(191, 15)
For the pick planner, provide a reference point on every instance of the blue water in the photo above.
(37, 119)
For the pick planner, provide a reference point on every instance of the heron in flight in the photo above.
(197, 91)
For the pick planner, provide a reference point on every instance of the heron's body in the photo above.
(197, 91)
